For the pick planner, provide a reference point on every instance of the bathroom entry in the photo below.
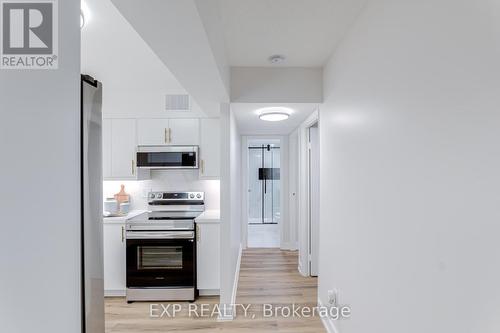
(264, 191)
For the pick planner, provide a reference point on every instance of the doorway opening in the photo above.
(264, 193)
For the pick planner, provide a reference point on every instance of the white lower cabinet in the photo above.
(115, 268)
(208, 258)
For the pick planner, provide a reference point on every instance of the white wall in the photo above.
(410, 161)
(230, 203)
(40, 191)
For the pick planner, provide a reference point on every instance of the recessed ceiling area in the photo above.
(247, 117)
(304, 31)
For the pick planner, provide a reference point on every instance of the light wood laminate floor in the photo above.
(267, 276)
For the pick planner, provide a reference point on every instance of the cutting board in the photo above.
(122, 196)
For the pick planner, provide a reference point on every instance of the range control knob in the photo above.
(191, 196)
(198, 196)
(159, 196)
(152, 195)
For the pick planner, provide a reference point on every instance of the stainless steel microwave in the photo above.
(167, 157)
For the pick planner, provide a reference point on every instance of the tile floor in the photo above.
(264, 235)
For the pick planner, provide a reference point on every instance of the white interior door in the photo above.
(314, 182)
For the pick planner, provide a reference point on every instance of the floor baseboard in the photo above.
(229, 314)
(328, 322)
(209, 292)
(301, 270)
(115, 293)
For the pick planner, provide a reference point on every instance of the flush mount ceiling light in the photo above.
(274, 113)
(276, 59)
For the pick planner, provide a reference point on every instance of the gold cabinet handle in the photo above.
(202, 167)
(166, 136)
(169, 135)
(123, 234)
(133, 168)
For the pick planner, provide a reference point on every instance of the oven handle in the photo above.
(160, 235)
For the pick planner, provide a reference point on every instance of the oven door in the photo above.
(169, 157)
(161, 259)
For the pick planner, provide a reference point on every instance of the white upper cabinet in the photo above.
(106, 148)
(178, 132)
(184, 132)
(123, 148)
(121, 137)
(210, 148)
(152, 131)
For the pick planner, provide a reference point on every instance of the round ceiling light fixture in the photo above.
(276, 59)
(274, 113)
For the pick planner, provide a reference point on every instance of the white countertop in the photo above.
(209, 216)
(122, 219)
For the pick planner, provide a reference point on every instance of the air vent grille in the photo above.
(177, 103)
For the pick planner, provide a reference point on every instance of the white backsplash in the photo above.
(171, 180)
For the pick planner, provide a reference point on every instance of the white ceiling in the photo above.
(305, 31)
(250, 124)
(134, 79)
(186, 37)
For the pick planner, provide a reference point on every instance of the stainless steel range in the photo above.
(161, 249)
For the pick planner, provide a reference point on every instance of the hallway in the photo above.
(270, 276)
(267, 276)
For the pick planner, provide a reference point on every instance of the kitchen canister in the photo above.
(111, 206)
(125, 208)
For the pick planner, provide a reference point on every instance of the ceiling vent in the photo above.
(177, 103)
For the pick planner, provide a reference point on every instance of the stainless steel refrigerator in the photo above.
(91, 220)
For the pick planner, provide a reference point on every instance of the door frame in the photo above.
(304, 230)
(313, 229)
(283, 226)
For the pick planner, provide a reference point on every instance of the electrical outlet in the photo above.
(333, 295)
(145, 192)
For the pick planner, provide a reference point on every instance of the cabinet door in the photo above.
(184, 132)
(106, 148)
(208, 256)
(114, 259)
(210, 148)
(123, 148)
(152, 131)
